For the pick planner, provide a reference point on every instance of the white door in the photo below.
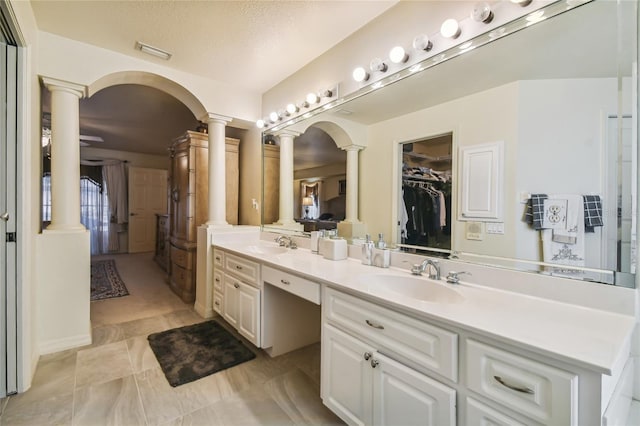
(230, 300)
(248, 305)
(8, 219)
(403, 396)
(147, 196)
(346, 376)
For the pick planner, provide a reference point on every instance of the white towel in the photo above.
(566, 246)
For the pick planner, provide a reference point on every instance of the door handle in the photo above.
(5, 216)
(133, 214)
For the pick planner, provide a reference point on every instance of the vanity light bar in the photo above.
(312, 101)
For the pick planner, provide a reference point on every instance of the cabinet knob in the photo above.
(236, 285)
(285, 282)
(374, 363)
(367, 355)
(238, 267)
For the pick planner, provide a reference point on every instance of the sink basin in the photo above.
(265, 249)
(410, 287)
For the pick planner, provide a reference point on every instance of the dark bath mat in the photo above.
(195, 351)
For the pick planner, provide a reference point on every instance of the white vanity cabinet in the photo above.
(241, 295)
(367, 351)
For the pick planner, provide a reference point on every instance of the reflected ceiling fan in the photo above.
(84, 140)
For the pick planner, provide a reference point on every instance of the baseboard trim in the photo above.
(203, 311)
(58, 345)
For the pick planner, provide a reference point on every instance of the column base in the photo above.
(65, 228)
(218, 225)
(351, 229)
(291, 226)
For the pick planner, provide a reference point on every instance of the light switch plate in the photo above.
(495, 228)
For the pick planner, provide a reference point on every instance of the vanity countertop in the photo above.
(591, 338)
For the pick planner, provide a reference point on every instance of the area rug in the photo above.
(195, 351)
(105, 280)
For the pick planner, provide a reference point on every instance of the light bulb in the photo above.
(260, 124)
(273, 116)
(377, 64)
(450, 29)
(422, 42)
(292, 109)
(481, 12)
(360, 75)
(398, 55)
(312, 98)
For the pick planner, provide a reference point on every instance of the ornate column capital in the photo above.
(213, 118)
(291, 133)
(352, 147)
(53, 84)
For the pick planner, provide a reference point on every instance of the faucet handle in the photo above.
(454, 277)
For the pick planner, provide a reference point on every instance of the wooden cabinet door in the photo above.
(403, 396)
(179, 191)
(249, 313)
(347, 376)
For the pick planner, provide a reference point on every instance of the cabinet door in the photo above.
(403, 396)
(249, 313)
(230, 300)
(346, 376)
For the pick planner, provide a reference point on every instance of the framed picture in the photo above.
(342, 187)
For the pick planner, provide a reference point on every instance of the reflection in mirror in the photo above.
(425, 213)
(318, 168)
(558, 117)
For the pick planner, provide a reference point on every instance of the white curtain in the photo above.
(93, 213)
(113, 175)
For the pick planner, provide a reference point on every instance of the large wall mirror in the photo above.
(543, 117)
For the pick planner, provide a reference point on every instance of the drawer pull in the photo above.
(367, 355)
(521, 389)
(236, 285)
(374, 325)
(218, 258)
(217, 303)
(285, 282)
(217, 280)
(374, 363)
(238, 267)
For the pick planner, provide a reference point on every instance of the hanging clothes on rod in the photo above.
(427, 205)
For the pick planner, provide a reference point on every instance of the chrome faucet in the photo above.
(285, 241)
(434, 272)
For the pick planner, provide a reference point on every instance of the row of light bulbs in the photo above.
(449, 29)
(311, 100)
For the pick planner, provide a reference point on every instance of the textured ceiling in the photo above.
(253, 44)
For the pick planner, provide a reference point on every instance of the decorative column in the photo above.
(217, 171)
(65, 154)
(351, 225)
(286, 179)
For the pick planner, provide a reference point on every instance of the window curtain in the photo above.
(94, 213)
(113, 173)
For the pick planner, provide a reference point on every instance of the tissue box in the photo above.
(333, 248)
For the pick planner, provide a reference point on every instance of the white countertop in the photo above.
(585, 337)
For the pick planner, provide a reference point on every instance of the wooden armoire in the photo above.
(189, 203)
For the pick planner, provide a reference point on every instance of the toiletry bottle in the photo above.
(367, 251)
(380, 243)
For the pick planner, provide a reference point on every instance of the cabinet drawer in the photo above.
(479, 414)
(301, 287)
(218, 255)
(182, 258)
(245, 269)
(424, 345)
(181, 277)
(536, 390)
(217, 302)
(217, 281)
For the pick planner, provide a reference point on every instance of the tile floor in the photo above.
(117, 380)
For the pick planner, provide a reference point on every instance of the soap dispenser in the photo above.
(380, 243)
(367, 251)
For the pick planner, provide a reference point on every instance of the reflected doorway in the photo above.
(425, 198)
